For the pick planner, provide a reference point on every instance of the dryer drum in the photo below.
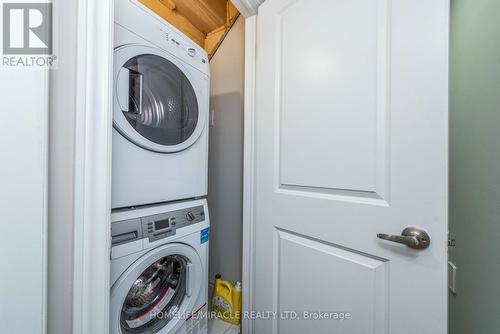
(163, 104)
(155, 295)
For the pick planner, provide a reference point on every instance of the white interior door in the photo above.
(351, 141)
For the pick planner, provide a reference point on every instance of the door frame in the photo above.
(249, 9)
(92, 174)
(248, 263)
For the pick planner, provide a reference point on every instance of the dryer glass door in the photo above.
(155, 296)
(159, 102)
(162, 104)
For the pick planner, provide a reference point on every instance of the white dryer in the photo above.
(160, 110)
(159, 273)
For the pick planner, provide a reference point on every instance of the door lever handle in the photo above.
(411, 237)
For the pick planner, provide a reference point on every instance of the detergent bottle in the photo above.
(226, 300)
(237, 303)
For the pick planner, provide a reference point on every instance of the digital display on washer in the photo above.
(161, 224)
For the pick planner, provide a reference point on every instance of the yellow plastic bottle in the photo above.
(226, 300)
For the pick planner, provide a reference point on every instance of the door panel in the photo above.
(351, 141)
(313, 274)
(345, 67)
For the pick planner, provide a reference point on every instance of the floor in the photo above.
(216, 326)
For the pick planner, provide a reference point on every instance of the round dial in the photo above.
(190, 216)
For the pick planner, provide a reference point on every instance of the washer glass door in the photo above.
(155, 296)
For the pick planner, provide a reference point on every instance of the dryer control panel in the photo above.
(155, 227)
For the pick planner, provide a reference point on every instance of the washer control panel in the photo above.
(164, 225)
(155, 227)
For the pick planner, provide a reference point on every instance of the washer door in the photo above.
(157, 291)
(157, 102)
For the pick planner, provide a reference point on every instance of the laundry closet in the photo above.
(125, 169)
(177, 171)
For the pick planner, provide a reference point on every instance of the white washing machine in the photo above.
(160, 110)
(159, 269)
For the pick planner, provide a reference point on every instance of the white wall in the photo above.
(475, 165)
(23, 197)
(225, 185)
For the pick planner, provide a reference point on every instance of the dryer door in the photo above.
(158, 103)
(158, 291)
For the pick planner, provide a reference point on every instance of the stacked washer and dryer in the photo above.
(160, 223)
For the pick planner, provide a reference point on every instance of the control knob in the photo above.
(190, 216)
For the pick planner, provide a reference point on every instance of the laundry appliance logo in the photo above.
(27, 37)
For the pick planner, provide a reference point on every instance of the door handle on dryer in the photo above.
(411, 237)
(137, 79)
(126, 78)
